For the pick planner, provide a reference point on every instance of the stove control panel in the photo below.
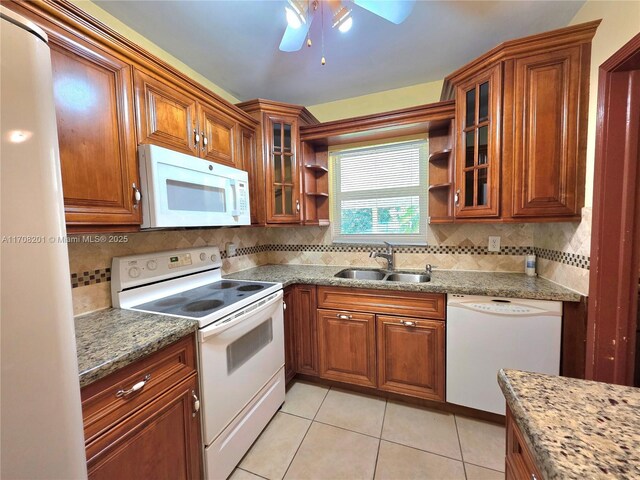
(136, 270)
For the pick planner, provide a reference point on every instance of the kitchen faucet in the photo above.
(387, 256)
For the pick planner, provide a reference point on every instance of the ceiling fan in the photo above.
(300, 14)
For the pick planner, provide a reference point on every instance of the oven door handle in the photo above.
(217, 328)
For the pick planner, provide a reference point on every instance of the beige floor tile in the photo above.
(239, 474)
(333, 453)
(304, 399)
(397, 462)
(428, 430)
(480, 473)
(271, 454)
(483, 443)
(353, 411)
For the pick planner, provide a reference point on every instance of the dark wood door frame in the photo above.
(615, 245)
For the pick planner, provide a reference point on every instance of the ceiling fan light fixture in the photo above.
(295, 11)
(343, 19)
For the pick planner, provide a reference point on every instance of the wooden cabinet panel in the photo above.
(478, 143)
(218, 133)
(160, 441)
(94, 110)
(548, 169)
(412, 304)
(306, 330)
(411, 356)
(347, 347)
(519, 461)
(166, 116)
(289, 334)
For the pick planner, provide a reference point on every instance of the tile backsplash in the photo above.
(561, 249)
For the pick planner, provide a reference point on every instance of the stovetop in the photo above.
(206, 300)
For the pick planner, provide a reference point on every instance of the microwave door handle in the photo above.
(234, 188)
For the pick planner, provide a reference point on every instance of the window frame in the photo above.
(420, 190)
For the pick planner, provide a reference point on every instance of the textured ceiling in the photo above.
(235, 43)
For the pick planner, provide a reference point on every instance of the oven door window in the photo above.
(193, 197)
(241, 350)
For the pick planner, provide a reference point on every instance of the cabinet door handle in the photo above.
(137, 196)
(196, 138)
(297, 205)
(205, 141)
(407, 323)
(136, 388)
(457, 198)
(342, 316)
(196, 403)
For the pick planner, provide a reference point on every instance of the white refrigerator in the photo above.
(41, 433)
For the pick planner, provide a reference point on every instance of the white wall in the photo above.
(620, 23)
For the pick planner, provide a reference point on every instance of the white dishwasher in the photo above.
(485, 334)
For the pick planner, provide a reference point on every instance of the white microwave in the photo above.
(180, 190)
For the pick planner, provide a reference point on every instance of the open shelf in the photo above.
(317, 168)
(440, 155)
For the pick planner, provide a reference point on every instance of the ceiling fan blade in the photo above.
(396, 11)
(293, 38)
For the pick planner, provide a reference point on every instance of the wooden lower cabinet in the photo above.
(289, 335)
(347, 346)
(161, 441)
(306, 333)
(411, 356)
(150, 432)
(519, 464)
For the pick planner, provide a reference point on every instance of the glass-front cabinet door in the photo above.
(478, 145)
(283, 192)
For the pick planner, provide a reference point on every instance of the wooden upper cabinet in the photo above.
(478, 145)
(411, 356)
(283, 181)
(549, 94)
(94, 110)
(166, 116)
(218, 137)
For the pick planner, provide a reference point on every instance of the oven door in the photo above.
(237, 359)
(184, 191)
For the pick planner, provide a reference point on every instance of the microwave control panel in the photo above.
(243, 198)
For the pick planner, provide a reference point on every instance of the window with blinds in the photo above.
(380, 193)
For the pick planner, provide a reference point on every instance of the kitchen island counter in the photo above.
(576, 429)
(495, 284)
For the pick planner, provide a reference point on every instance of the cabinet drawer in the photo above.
(411, 304)
(102, 408)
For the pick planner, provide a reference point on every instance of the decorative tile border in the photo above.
(580, 261)
(89, 278)
(573, 259)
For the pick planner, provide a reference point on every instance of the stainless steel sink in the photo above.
(361, 274)
(382, 275)
(408, 277)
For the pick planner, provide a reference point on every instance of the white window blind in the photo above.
(380, 193)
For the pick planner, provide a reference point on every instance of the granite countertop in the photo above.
(110, 339)
(576, 429)
(513, 285)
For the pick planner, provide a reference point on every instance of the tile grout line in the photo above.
(426, 451)
(482, 466)
(305, 433)
(464, 467)
(384, 415)
(249, 472)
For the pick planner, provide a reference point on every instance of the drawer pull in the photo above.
(344, 317)
(136, 388)
(196, 403)
(407, 323)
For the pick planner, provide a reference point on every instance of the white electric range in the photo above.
(240, 339)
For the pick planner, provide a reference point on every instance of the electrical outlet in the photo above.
(231, 249)
(494, 244)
